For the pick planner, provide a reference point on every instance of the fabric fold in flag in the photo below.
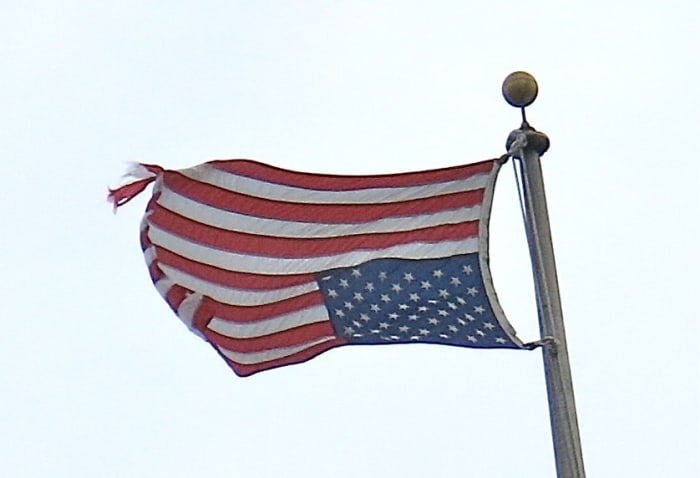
(273, 267)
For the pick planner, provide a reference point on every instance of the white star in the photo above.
(375, 331)
(467, 269)
(443, 313)
(383, 325)
(413, 317)
(422, 308)
(403, 307)
(339, 313)
(344, 283)
(393, 316)
(472, 291)
(382, 275)
(461, 301)
(479, 309)
(385, 298)
(453, 328)
(443, 293)
(364, 317)
(396, 288)
(424, 332)
(332, 293)
(444, 336)
(357, 324)
(462, 321)
(471, 338)
(433, 321)
(404, 328)
(425, 285)
(470, 318)
(500, 340)
(356, 273)
(375, 308)
(414, 297)
(415, 337)
(369, 287)
(349, 331)
(452, 306)
(408, 277)
(455, 281)
(348, 305)
(479, 333)
(358, 296)
(488, 325)
(437, 273)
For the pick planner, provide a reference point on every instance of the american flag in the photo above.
(273, 267)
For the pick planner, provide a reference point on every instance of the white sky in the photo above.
(99, 378)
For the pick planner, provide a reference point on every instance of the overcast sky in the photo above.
(99, 378)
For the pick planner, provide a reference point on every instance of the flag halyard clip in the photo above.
(544, 341)
(518, 145)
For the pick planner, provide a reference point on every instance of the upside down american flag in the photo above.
(273, 267)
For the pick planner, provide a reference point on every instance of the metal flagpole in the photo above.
(528, 145)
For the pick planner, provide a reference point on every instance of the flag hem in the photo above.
(484, 257)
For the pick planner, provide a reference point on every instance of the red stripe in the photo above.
(318, 213)
(331, 182)
(245, 243)
(237, 280)
(126, 193)
(175, 295)
(145, 241)
(143, 236)
(240, 313)
(288, 338)
(243, 370)
(204, 314)
(155, 272)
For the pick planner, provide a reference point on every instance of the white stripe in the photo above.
(188, 307)
(138, 171)
(246, 330)
(163, 286)
(206, 173)
(283, 266)
(233, 296)
(251, 358)
(232, 221)
(150, 255)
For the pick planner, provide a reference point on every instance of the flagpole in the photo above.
(528, 145)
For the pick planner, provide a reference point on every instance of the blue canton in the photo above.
(402, 301)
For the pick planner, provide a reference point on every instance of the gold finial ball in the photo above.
(519, 89)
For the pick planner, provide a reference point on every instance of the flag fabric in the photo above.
(273, 267)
